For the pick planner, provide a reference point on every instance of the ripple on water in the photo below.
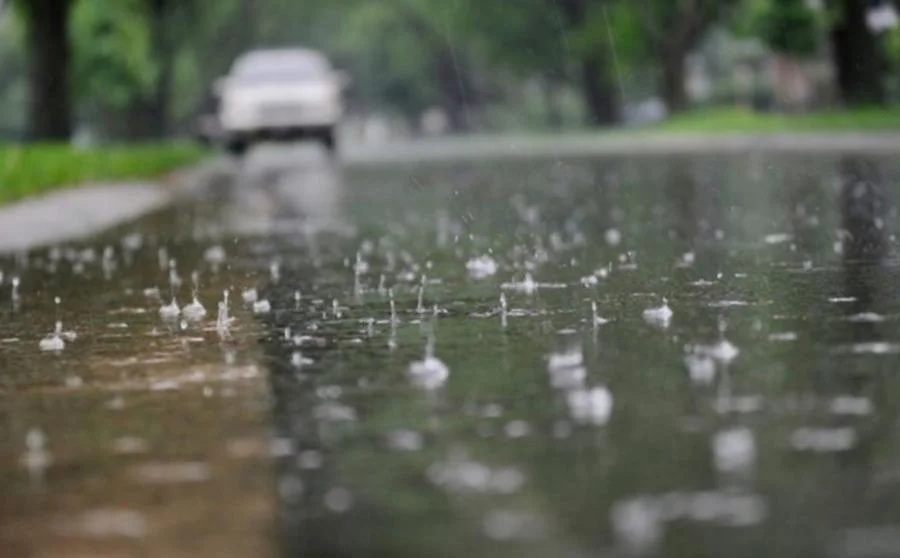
(105, 523)
(182, 472)
(823, 440)
(640, 522)
(866, 317)
(464, 475)
(511, 524)
(871, 348)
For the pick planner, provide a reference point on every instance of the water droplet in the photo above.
(339, 500)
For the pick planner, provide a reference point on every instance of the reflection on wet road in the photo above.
(680, 356)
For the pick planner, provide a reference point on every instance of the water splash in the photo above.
(503, 311)
(596, 319)
(54, 342)
(420, 307)
(590, 406)
(734, 450)
(393, 306)
(660, 316)
(566, 369)
(170, 311)
(701, 367)
(429, 373)
(16, 297)
(195, 310)
(36, 458)
(215, 256)
(249, 296)
(527, 285)
(482, 267)
(275, 271)
(223, 321)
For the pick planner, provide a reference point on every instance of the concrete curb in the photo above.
(622, 144)
(82, 211)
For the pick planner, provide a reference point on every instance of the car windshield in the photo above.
(279, 68)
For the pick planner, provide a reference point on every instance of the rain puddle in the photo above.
(667, 356)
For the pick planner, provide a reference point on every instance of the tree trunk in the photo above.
(599, 92)
(456, 89)
(551, 104)
(858, 60)
(49, 98)
(157, 104)
(673, 82)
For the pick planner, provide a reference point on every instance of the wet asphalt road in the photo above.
(574, 418)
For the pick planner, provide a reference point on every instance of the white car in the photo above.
(280, 94)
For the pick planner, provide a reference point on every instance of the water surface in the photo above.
(758, 420)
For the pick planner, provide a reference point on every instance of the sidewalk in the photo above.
(81, 211)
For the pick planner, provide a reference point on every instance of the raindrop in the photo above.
(36, 458)
(223, 321)
(339, 500)
(420, 307)
(393, 306)
(404, 440)
(613, 237)
(215, 256)
(275, 271)
(517, 429)
(162, 257)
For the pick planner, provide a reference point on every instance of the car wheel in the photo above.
(237, 148)
(329, 141)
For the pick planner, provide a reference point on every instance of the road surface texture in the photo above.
(564, 354)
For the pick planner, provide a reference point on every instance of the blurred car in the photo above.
(280, 95)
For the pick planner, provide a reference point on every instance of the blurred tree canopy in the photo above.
(139, 69)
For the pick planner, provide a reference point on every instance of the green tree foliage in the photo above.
(113, 57)
(790, 27)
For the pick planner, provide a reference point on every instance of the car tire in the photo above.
(237, 148)
(329, 140)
